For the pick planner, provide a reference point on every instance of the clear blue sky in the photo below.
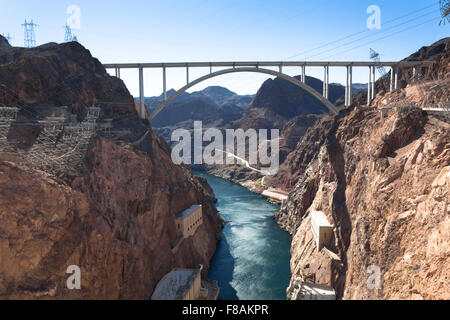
(215, 30)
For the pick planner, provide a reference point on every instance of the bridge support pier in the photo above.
(141, 94)
(396, 78)
(369, 86)
(349, 91)
(304, 74)
(118, 73)
(391, 86)
(346, 94)
(187, 75)
(373, 82)
(164, 84)
(326, 81)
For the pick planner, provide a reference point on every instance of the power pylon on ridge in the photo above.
(30, 38)
(68, 36)
(375, 56)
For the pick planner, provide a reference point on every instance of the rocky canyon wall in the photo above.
(383, 181)
(114, 216)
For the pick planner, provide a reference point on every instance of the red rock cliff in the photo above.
(114, 216)
(384, 185)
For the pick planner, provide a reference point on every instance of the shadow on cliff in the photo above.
(222, 267)
(340, 212)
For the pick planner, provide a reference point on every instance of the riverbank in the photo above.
(255, 185)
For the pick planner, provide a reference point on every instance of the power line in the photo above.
(382, 38)
(359, 32)
(375, 34)
(363, 38)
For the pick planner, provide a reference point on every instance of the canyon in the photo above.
(380, 174)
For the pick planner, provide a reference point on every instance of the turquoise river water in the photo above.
(252, 259)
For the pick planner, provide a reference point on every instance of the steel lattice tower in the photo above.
(375, 56)
(68, 36)
(29, 38)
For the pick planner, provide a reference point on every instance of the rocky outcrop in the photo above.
(437, 52)
(278, 101)
(42, 80)
(383, 181)
(430, 91)
(114, 218)
(301, 154)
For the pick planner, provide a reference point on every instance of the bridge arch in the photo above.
(293, 80)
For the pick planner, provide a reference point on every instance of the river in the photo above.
(252, 259)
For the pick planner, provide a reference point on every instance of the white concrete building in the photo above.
(321, 229)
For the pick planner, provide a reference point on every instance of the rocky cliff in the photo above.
(278, 101)
(383, 183)
(381, 175)
(114, 215)
(437, 52)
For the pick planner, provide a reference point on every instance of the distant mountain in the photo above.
(195, 108)
(216, 93)
(213, 104)
(356, 87)
(278, 101)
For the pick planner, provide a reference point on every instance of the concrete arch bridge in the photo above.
(263, 67)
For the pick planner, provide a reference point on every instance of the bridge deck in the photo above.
(268, 64)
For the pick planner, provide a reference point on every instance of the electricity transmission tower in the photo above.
(375, 56)
(29, 39)
(68, 36)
